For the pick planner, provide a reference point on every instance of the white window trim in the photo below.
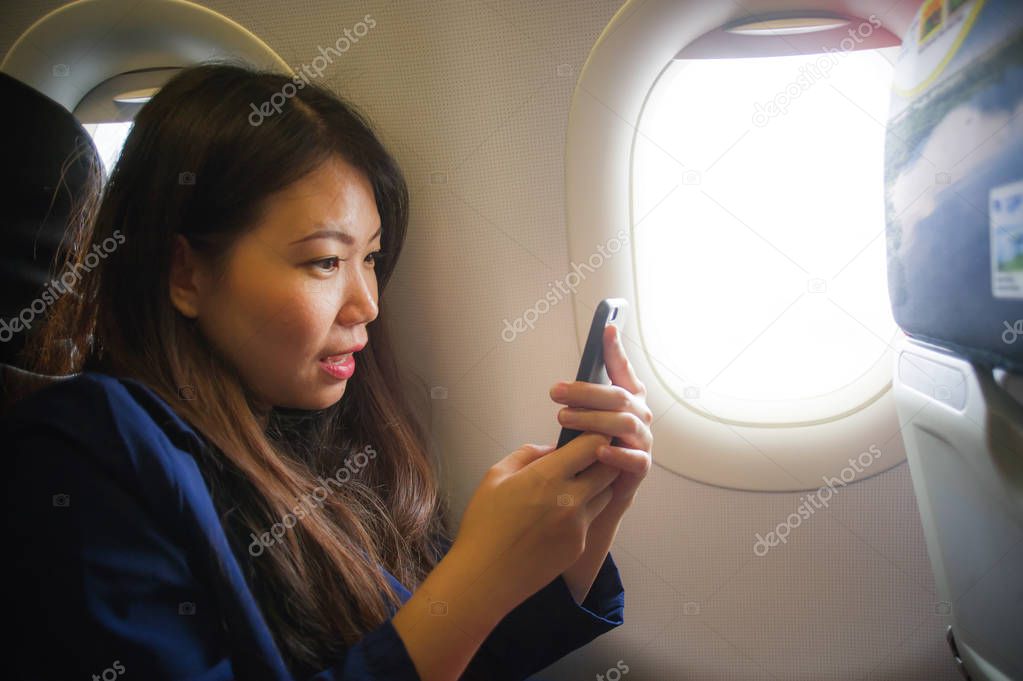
(98, 105)
(613, 87)
(59, 55)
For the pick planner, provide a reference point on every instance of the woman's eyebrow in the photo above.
(344, 237)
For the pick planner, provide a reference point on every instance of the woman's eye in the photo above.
(374, 257)
(334, 260)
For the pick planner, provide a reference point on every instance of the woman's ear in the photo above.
(185, 278)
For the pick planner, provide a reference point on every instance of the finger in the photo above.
(596, 505)
(619, 369)
(594, 480)
(629, 460)
(535, 451)
(575, 456)
(626, 426)
(595, 396)
(529, 452)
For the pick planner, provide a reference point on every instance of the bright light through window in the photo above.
(759, 223)
(109, 139)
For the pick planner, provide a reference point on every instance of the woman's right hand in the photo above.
(527, 521)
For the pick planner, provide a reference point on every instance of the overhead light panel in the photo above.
(136, 96)
(787, 25)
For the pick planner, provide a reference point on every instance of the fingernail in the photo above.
(560, 390)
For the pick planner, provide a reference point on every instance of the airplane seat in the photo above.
(51, 160)
(954, 210)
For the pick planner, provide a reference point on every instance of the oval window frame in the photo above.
(611, 92)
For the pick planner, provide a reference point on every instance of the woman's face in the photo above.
(300, 286)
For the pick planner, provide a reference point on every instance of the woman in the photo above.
(220, 493)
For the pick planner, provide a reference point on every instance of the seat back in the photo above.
(954, 206)
(51, 161)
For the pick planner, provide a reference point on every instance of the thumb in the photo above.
(529, 452)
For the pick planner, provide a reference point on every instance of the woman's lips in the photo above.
(339, 370)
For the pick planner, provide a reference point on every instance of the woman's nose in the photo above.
(359, 303)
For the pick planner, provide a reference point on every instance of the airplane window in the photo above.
(109, 139)
(758, 216)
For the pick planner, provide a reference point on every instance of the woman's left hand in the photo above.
(618, 410)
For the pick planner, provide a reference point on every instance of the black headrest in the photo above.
(44, 142)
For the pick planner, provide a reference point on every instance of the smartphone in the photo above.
(591, 366)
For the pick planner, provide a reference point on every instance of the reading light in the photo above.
(136, 96)
(788, 25)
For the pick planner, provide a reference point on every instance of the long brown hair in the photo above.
(198, 162)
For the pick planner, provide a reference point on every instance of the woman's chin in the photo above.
(327, 397)
(314, 397)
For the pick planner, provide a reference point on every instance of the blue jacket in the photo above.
(121, 564)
